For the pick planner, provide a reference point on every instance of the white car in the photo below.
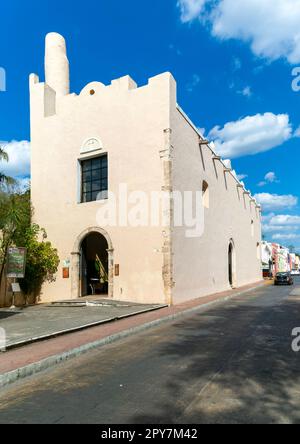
(295, 272)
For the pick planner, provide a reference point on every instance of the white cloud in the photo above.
(202, 131)
(283, 220)
(227, 163)
(266, 218)
(237, 64)
(251, 135)
(190, 9)
(269, 178)
(176, 50)
(273, 202)
(282, 227)
(270, 27)
(19, 159)
(275, 228)
(193, 83)
(280, 236)
(246, 92)
(242, 176)
(297, 132)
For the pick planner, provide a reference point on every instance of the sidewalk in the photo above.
(40, 322)
(36, 357)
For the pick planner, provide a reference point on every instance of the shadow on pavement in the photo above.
(7, 314)
(244, 374)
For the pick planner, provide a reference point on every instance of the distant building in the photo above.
(267, 257)
(277, 259)
(84, 147)
(297, 262)
(281, 259)
(292, 261)
(284, 260)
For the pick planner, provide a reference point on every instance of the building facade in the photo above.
(283, 260)
(97, 148)
(278, 259)
(297, 263)
(268, 259)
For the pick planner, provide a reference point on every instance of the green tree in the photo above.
(16, 229)
(15, 215)
(42, 260)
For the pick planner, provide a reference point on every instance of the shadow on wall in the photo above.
(246, 375)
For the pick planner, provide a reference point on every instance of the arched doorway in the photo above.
(231, 265)
(92, 264)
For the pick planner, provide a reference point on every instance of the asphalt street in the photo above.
(232, 363)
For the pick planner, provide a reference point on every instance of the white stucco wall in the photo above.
(130, 123)
(201, 264)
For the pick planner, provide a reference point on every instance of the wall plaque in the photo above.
(66, 273)
(90, 145)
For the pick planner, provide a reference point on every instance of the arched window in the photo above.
(205, 194)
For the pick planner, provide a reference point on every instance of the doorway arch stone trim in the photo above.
(76, 260)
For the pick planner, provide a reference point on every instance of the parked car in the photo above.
(295, 272)
(284, 279)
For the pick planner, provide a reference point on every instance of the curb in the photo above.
(52, 361)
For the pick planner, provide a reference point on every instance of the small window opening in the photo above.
(205, 194)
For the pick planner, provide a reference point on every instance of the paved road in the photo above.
(232, 363)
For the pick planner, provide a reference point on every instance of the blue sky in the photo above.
(233, 66)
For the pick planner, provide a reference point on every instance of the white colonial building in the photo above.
(118, 145)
